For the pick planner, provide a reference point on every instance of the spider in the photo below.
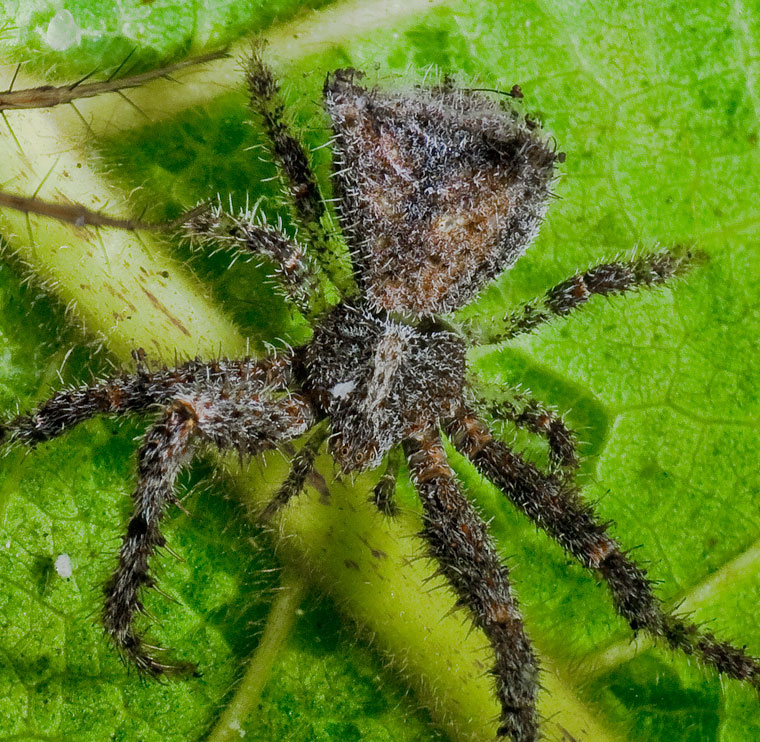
(438, 190)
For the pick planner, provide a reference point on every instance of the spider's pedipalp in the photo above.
(300, 467)
(243, 418)
(459, 542)
(529, 413)
(383, 493)
(605, 279)
(556, 507)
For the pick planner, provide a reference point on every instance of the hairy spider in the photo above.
(438, 189)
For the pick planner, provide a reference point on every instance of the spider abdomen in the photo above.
(378, 380)
(438, 191)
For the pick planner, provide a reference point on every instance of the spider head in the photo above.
(378, 380)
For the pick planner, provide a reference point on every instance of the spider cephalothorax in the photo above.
(438, 189)
(379, 380)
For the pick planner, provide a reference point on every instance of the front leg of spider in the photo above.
(555, 506)
(384, 383)
(458, 540)
(244, 406)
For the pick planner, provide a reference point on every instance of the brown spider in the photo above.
(438, 189)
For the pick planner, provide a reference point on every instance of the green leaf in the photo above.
(657, 110)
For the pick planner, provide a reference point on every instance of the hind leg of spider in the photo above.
(287, 149)
(239, 420)
(458, 540)
(556, 507)
(134, 393)
(606, 279)
(294, 163)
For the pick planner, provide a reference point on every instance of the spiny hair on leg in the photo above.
(556, 507)
(237, 420)
(459, 542)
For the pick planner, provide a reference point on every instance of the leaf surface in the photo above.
(657, 109)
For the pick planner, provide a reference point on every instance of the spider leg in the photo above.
(134, 393)
(458, 540)
(46, 96)
(645, 270)
(242, 420)
(166, 448)
(301, 466)
(529, 413)
(249, 236)
(80, 216)
(557, 508)
(383, 494)
(293, 160)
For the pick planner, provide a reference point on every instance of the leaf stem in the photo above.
(278, 627)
